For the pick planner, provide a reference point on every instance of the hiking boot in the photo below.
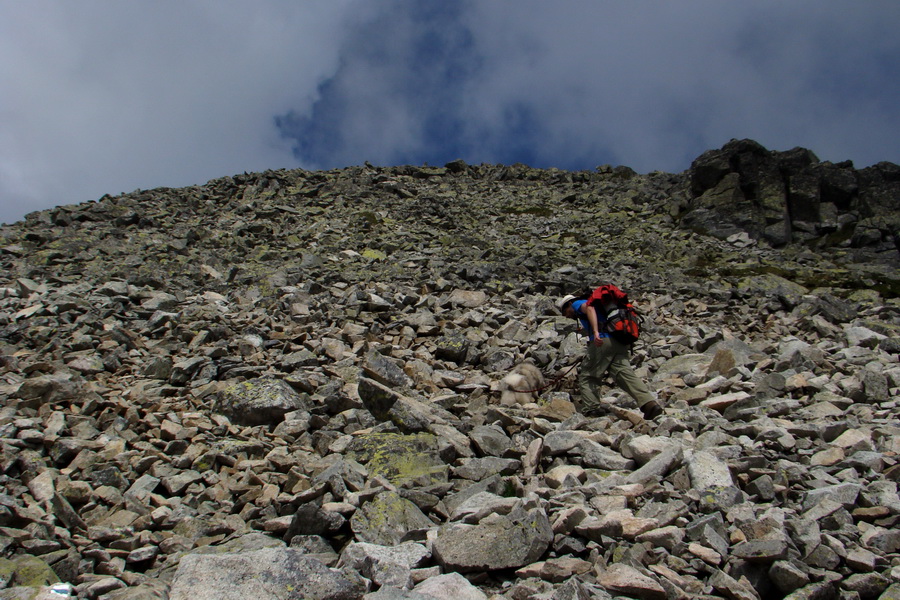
(594, 412)
(652, 410)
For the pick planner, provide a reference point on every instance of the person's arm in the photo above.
(591, 313)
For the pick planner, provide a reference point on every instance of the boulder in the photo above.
(501, 542)
(262, 401)
(266, 573)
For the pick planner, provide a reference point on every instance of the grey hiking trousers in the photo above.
(612, 358)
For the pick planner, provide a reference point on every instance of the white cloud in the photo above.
(106, 97)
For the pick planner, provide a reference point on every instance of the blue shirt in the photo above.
(601, 318)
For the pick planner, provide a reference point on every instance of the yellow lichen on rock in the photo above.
(401, 458)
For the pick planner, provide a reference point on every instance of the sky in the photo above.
(109, 96)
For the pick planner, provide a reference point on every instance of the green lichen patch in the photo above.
(401, 459)
(373, 254)
(26, 571)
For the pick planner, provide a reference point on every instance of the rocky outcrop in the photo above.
(791, 196)
(287, 385)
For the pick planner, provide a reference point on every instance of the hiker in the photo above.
(605, 354)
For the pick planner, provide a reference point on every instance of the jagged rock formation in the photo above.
(286, 385)
(792, 196)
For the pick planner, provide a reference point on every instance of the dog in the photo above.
(522, 385)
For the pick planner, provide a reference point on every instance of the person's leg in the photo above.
(590, 378)
(623, 373)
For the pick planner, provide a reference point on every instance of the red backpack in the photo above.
(623, 322)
